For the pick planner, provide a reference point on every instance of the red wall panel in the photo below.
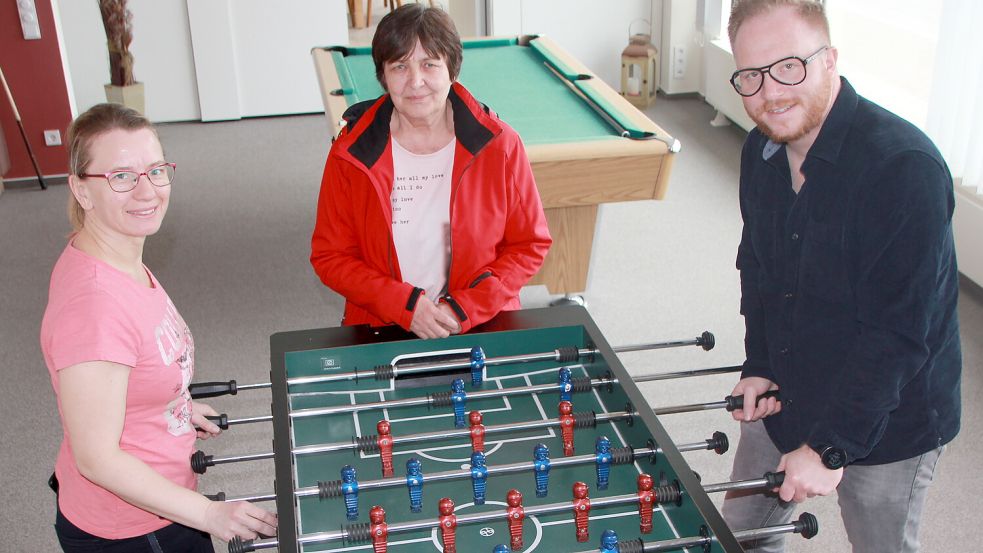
(37, 81)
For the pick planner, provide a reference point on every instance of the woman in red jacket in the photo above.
(428, 216)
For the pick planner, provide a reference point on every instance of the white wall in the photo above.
(594, 33)
(504, 17)
(679, 29)
(268, 42)
(161, 51)
(272, 42)
(215, 60)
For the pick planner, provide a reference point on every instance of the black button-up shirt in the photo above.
(849, 287)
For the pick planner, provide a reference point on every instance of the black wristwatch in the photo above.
(832, 457)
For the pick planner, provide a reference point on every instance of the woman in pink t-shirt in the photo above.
(121, 358)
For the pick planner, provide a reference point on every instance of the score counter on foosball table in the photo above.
(527, 433)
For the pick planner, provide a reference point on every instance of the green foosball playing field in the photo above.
(332, 387)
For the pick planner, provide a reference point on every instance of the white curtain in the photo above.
(955, 111)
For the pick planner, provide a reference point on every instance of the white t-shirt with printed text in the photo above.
(421, 200)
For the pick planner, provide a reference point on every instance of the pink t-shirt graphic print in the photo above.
(97, 313)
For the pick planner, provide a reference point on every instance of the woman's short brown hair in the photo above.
(397, 33)
(811, 11)
(99, 119)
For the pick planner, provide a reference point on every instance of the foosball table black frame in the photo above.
(560, 316)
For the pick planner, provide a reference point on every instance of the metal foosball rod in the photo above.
(730, 403)
(619, 456)
(705, 341)
(430, 400)
(443, 399)
(359, 533)
(392, 370)
(686, 374)
(806, 525)
(368, 444)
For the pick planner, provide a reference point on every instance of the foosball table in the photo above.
(526, 434)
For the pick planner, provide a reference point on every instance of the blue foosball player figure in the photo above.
(609, 542)
(479, 474)
(566, 388)
(477, 365)
(459, 398)
(602, 452)
(541, 467)
(500, 548)
(349, 489)
(414, 483)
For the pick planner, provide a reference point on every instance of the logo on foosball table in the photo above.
(487, 532)
(328, 364)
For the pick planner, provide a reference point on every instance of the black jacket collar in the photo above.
(474, 124)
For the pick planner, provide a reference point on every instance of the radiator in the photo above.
(719, 63)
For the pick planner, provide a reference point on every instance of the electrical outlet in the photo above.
(678, 62)
(52, 137)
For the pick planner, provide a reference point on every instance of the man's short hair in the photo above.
(397, 33)
(812, 11)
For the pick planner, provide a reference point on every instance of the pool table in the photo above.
(586, 143)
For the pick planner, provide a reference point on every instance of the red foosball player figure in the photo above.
(566, 427)
(516, 515)
(477, 431)
(646, 500)
(379, 529)
(581, 510)
(448, 525)
(385, 441)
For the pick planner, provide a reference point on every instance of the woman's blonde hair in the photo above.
(97, 120)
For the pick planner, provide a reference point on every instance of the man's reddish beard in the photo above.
(814, 106)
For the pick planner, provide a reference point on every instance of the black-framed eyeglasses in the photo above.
(788, 71)
(160, 175)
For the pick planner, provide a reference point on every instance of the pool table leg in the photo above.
(566, 266)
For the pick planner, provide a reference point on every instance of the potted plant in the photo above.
(118, 22)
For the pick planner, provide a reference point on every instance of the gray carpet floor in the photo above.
(233, 256)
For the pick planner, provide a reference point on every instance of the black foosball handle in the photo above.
(213, 389)
(737, 402)
(807, 525)
(239, 545)
(775, 479)
(706, 340)
(222, 421)
(200, 462)
(220, 496)
(719, 443)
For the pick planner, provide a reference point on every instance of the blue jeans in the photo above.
(881, 505)
(173, 538)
